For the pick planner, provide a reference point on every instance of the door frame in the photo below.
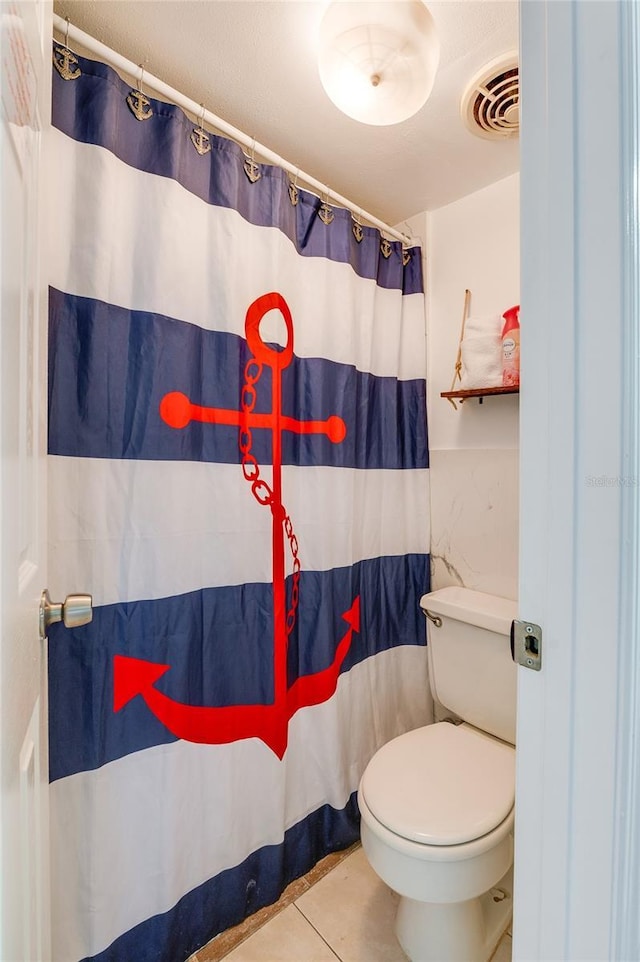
(26, 29)
(578, 771)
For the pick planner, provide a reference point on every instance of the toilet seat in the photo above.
(442, 784)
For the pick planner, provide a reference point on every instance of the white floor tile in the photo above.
(354, 912)
(287, 937)
(503, 952)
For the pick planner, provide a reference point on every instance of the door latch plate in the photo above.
(526, 644)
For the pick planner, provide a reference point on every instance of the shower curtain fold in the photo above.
(238, 473)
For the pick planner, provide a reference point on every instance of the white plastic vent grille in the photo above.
(491, 104)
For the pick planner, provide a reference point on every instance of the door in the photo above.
(577, 860)
(24, 842)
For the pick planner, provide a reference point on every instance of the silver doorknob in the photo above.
(75, 610)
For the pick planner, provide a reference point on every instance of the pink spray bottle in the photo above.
(511, 347)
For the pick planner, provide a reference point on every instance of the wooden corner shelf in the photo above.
(479, 392)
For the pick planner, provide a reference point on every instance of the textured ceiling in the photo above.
(253, 63)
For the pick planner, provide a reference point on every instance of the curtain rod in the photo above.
(115, 60)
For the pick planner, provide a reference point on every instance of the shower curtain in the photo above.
(238, 474)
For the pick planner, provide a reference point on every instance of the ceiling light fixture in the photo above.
(378, 58)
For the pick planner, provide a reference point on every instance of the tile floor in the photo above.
(340, 911)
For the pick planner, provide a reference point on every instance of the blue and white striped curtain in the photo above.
(238, 474)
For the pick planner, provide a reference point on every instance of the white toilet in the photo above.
(437, 803)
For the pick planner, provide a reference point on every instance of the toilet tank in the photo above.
(471, 671)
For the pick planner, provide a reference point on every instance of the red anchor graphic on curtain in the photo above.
(268, 722)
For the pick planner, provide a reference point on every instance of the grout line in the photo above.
(504, 938)
(318, 933)
(225, 942)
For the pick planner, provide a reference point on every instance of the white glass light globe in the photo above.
(378, 59)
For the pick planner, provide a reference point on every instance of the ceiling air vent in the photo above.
(490, 106)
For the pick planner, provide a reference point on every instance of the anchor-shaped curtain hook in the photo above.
(293, 189)
(385, 246)
(407, 239)
(199, 138)
(356, 227)
(251, 168)
(325, 211)
(138, 104)
(64, 60)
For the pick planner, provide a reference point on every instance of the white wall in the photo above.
(472, 243)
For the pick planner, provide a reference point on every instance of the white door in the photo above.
(577, 857)
(24, 840)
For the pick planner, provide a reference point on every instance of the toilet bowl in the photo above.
(437, 804)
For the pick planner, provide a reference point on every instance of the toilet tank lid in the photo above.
(472, 607)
